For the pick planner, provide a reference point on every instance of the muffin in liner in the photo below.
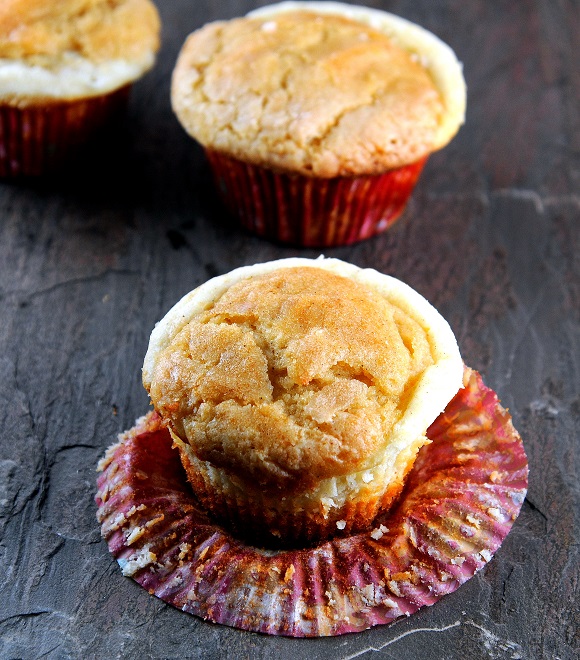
(299, 392)
(65, 73)
(317, 140)
(462, 497)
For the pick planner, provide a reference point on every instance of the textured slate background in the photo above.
(89, 262)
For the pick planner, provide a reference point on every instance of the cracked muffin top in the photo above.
(285, 376)
(317, 94)
(72, 47)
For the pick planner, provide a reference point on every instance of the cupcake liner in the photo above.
(38, 138)
(461, 499)
(309, 211)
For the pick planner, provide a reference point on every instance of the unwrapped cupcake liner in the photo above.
(461, 499)
(310, 211)
(37, 139)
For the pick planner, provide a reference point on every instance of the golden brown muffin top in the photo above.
(291, 376)
(321, 95)
(41, 32)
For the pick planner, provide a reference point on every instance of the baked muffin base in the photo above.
(37, 138)
(262, 518)
(310, 211)
(461, 499)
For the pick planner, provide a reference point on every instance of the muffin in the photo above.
(317, 118)
(461, 498)
(298, 393)
(65, 70)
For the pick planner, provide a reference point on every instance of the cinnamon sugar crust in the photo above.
(322, 89)
(96, 29)
(321, 95)
(293, 376)
(74, 48)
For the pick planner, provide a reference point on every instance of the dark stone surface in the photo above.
(90, 260)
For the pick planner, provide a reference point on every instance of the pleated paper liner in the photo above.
(39, 138)
(310, 211)
(462, 497)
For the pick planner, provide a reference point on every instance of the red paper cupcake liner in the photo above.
(39, 138)
(309, 211)
(461, 499)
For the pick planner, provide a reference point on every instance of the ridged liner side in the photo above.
(462, 497)
(37, 139)
(312, 212)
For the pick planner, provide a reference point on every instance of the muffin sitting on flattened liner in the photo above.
(65, 69)
(317, 117)
(299, 392)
